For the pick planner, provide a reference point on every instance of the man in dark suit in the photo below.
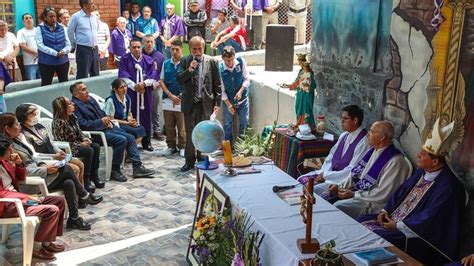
(201, 96)
(91, 117)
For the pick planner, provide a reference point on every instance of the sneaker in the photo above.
(142, 171)
(168, 152)
(181, 152)
(117, 176)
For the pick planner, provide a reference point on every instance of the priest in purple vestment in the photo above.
(349, 149)
(120, 39)
(423, 217)
(138, 71)
(172, 28)
(158, 59)
(374, 178)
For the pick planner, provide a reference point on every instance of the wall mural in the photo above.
(425, 70)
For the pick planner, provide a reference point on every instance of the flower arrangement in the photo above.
(328, 256)
(220, 240)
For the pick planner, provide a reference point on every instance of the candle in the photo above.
(227, 153)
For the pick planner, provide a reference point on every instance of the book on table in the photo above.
(376, 256)
(292, 197)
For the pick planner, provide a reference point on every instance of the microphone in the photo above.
(282, 188)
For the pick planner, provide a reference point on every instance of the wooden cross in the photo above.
(307, 244)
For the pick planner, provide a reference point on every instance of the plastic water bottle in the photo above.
(3, 105)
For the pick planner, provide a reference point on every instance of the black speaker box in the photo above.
(279, 48)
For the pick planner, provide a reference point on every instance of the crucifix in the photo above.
(307, 244)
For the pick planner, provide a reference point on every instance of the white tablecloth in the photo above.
(282, 223)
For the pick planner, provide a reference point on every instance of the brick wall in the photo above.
(109, 9)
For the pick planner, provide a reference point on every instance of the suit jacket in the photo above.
(212, 90)
(16, 174)
(89, 115)
(34, 167)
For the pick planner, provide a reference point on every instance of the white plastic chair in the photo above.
(98, 99)
(43, 110)
(48, 124)
(410, 166)
(108, 151)
(28, 224)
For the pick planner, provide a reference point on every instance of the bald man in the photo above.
(374, 178)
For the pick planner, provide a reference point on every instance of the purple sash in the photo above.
(373, 174)
(339, 161)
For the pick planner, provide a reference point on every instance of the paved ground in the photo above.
(134, 208)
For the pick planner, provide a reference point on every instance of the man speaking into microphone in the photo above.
(199, 75)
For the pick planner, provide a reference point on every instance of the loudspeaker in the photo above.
(279, 48)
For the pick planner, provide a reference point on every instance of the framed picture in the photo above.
(222, 203)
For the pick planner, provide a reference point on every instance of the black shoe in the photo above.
(159, 136)
(118, 176)
(97, 182)
(92, 199)
(148, 147)
(89, 187)
(141, 171)
(77, 223)
(186, 167)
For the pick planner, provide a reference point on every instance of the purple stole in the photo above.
(366, 182)
(339, 161)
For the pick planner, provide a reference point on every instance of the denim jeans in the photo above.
(121, 140)
(230, 42)
(32, 72)
(242, 111)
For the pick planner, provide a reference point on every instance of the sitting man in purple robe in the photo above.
(349, 149)
(172, 28)
(423, 217)
(138, 71)
(158, 59)
(120, 40)
(376, 176)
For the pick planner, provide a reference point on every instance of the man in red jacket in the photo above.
(49, 209)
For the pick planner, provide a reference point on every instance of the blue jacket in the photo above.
(89, 115)
(55, 40)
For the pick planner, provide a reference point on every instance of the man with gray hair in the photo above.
(374, 178)
(9, 48)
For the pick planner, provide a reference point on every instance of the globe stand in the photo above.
(206, 164)
(229, 171)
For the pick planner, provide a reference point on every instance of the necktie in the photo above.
(196, 83)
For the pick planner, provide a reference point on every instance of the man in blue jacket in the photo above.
(91, 117)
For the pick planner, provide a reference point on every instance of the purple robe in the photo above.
(117, 44)
(257, 4)
(176, 26)
(436, 217)
(127, 70)
(158, 59)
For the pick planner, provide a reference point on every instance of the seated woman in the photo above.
(66, 128)
(55, 176)
(117, 106)
(36, 135)
(49, 209)
(234, 36)
(305, 89)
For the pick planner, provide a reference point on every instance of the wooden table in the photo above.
(289, 152)
(407, 260)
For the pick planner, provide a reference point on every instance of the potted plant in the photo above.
(327, 256)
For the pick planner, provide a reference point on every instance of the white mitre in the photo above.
(436, 143)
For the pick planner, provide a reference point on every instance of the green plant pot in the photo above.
(319, 260)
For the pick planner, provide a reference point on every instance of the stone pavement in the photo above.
(136, 207)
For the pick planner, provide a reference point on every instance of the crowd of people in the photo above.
(365, 175)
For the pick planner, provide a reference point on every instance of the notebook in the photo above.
(375, 256)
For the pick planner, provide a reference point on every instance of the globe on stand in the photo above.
(207, 137)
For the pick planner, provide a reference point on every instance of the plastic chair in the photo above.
(410, 166)
(28, 224)
(48, 124)
(43, 110)
(108, 151)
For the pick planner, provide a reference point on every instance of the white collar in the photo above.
(430, 176)
(124, 98)
(236, 62)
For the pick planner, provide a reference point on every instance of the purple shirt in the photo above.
(118, 44)
(173, 26)
(158, 59)
(257, 4)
